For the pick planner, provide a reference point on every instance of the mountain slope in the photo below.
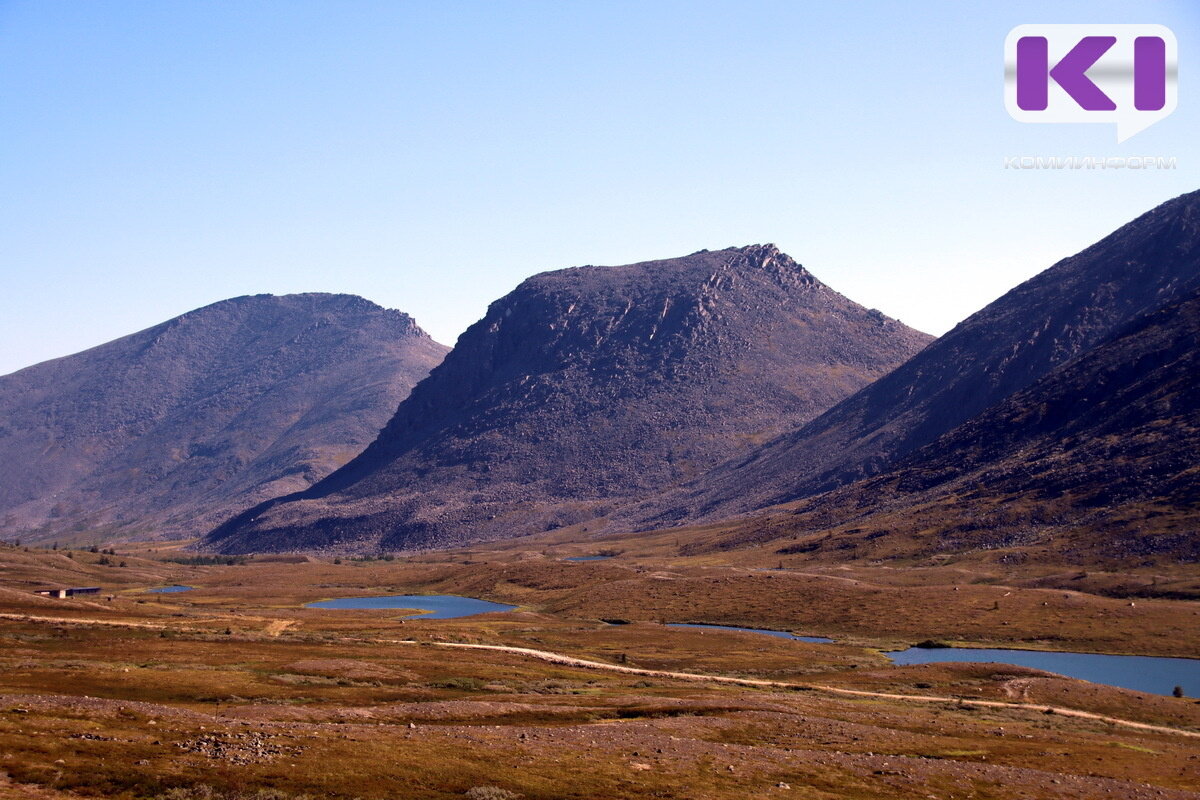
(587, 385)
(1046, 321)
(175, 428)
(1095, 461)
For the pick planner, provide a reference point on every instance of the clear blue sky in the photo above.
(159, 156)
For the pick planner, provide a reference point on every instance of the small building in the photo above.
(65, 593)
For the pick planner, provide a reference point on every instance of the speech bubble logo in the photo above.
(1125, 75)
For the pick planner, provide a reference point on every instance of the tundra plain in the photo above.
(581, 692)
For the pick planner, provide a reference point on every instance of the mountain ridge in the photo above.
(248, 395)
(1094, 462)
(1004, 347)
(586, 385)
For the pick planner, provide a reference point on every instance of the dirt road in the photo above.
(558, 658)
(570, 661)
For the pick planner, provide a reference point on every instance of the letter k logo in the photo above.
(1070, 73)
(1127, 75)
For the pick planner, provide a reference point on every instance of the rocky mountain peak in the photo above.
(589, 384)
(188, 422)
(1043, 323)
(768, 260)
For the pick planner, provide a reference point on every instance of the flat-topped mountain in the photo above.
(585, 386)
(172, 430)
(1045, 322)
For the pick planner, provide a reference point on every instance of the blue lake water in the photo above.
(170, 589)
(440, 606)
(587, 558)
(780, 634)
(1141, 673)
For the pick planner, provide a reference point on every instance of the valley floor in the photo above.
(236, 686)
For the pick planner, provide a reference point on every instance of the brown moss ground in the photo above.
(304, 700)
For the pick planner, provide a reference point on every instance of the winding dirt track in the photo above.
(558, 658)
(277, 627)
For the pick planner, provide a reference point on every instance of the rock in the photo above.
(1070, 397)
(588, 386)
(182, 425)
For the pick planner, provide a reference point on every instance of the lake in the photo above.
(1150, 674)
(439, 606)
(1141, 673)
(170, 589)
(780, 634)
(587, 558)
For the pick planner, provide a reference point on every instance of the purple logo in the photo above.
(1122, 74)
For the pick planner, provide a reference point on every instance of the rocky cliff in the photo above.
(587, 386)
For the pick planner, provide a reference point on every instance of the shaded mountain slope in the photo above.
(1043, 323)
(1097, 460)
(587, 385)
(173, 429)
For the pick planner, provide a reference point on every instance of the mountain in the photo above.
(586, 386)
(171, 430)
(1045, 322)
(1096, 461)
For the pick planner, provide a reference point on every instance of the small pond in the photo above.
(780, 634)
(170, 589)
(439, 606)
(1141, 673)
(587, 558)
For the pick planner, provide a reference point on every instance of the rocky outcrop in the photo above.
(585, 387)
(1037, 327)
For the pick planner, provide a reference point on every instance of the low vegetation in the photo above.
(234, 691)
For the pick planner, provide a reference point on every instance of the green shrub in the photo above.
(207, 561)
(490, 793)
(200, 791)
(203, 791)
(462, 684)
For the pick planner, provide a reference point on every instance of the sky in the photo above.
(156, 157)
